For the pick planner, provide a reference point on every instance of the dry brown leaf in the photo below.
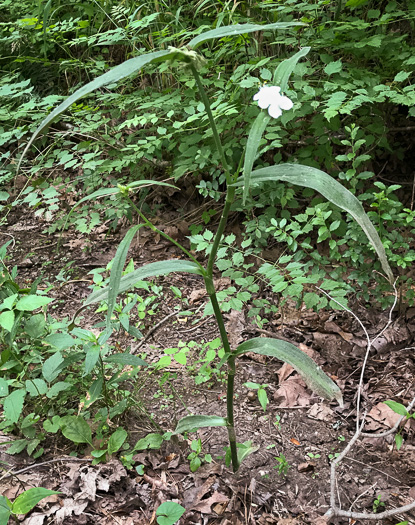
(205, 505)
(69, 507)
(292, 392)
(235, 326)
(382, 415)
(88, 484)
(197, 295)
(285, 371)
(321, 411)
(333, 328)
(221, 283)
(38, 518)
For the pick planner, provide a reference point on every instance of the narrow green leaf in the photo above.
(125, 359)
(148, 270)
(190, 422)
(116, 441)
(312, 374)
(91, 359)
(239, 29)
(30, 498)
(76, 429)
(398, 408)
(332, 190)
(13, 405)
(95, 391)
(46, 13)
(114, 75)
(263, 399)
(117, 269)
(398, 441)
(286, 67)
(252, 145)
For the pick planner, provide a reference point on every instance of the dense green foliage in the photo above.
(355, 87)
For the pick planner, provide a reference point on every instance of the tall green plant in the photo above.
(269, 98)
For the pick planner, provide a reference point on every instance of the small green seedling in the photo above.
(262, 394)
(283, 465)
(277, 422)
(313, 456)
(23, 503)
(169, 512)
(400, 409)
(378, 504)
(194, 457)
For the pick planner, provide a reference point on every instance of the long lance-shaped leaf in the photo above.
(239, 29)
(332, 190)
(148, 270)
(116, 271)
(189, 422)
(286, 67)
(114, 75)
(312, 374)
(252, 145)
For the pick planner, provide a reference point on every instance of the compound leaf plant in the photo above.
(272, 102)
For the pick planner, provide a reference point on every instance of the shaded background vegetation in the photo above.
(353, 117)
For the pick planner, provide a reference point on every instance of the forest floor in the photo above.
(297, 425)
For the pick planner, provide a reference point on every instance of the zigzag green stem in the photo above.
(229, 411)
(230, 196)
(210, 288)
(231, 371)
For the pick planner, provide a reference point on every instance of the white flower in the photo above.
(270, 97)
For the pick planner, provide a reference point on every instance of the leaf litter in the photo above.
(296, 424)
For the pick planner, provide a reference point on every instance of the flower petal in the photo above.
(285, 102)
(274, 111)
